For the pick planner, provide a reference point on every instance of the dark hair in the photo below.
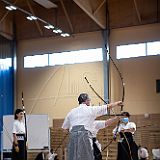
(56, 157)
(17, 112)
(83, 97)
(125, 114)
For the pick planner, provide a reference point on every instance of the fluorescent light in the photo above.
(13, 7)
(33, 17)
(59, 31)
(49, 26)
(65, 35)
(10, 8)
(62, 35)
(7, 7)
(29, 18)
(55, 31)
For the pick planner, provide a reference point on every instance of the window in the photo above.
(153, 48)
(137, 50)
(72, 57)
(131, 50)
(36, 61)
(5, 63)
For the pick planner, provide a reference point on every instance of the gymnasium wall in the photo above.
(140, 73)
(54, 90)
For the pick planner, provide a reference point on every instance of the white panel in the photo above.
(38, 131)
(7, 132)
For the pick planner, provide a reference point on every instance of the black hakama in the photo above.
(22, 153)
(97, 152)
(127, 150)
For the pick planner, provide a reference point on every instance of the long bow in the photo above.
(25, 120)
(123, 96)
(120, 75)
(95, 91)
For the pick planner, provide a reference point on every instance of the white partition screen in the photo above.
(37, 129)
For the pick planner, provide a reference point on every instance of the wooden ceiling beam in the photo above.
(99, 17)
(137, 11)
(36, 22)
(7, 12)
(67, 16)
(99, 7)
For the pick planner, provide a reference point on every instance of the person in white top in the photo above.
(79, 122)
(97, 125)
(127, 148)
(19, 143)
(143, 153)
(51, 155)
(156, 154)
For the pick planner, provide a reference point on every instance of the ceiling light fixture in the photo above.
(49, 26)
(55, 31)
(11, 7)
(65, 35)
(59, 30)
(34, 18)
(30, 17)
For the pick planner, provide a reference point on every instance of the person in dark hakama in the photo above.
(127, 148)
(19, 142)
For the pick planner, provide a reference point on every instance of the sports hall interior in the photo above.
(35, 31)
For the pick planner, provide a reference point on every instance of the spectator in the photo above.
(156, 154)
(52, 155)
(143, 153)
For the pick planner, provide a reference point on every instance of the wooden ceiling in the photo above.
(79, 16)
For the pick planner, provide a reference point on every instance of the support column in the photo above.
(105, 49)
